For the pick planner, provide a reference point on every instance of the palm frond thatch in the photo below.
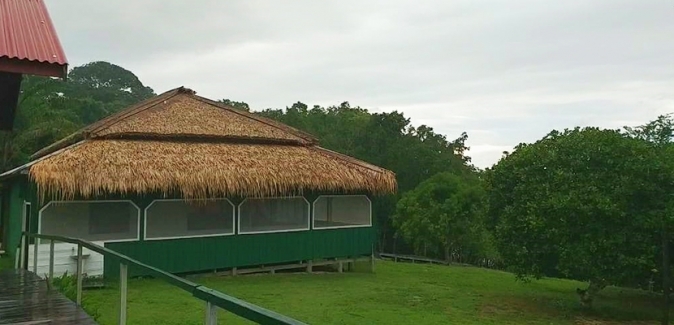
(202, 170)
(180, 142)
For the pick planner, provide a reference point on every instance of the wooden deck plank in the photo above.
(24, 299)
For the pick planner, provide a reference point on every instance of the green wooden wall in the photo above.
(16, 191)
(188, 255)
(216, 253)
(15, 211)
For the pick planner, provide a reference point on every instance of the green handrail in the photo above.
(236, 306)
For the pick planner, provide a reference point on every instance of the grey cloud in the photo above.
(505, 71)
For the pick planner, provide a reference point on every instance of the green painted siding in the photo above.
(15, 212)
(189, 255)
(216, 253)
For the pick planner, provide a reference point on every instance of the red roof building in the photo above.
(28, 45)
(28, 40)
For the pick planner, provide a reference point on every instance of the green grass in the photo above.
(6, 263)
(396, 293)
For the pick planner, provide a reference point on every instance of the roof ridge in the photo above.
(187, 137)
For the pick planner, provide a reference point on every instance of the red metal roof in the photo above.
(28, 39)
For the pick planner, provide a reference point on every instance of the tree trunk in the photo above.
(448, 255)
(665, 276)
(587, 295)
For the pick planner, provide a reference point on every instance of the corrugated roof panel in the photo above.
(27, 33)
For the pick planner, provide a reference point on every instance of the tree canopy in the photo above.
(445, 213)
(583, 204)
(50, 109)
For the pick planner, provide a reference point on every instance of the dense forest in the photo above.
(583, 203)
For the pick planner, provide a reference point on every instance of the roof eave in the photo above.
(46, 69)
(23, 169)
(59, 145)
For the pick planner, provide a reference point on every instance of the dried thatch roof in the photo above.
(182, 142)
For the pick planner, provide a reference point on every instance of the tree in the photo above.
(383, 139)
(49, 110)
(443, 212)
(108, 83)
(581, 204)
(659, 133)
(239, 105)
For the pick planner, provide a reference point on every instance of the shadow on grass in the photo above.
(612, 307)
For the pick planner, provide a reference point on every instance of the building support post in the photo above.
(211, 314)
(310, 266)
(51, 260)
(123, 276)
(24, 247)
(79, 274)
(233, 271)
(340, 267)
(35, 255)
(372, 260)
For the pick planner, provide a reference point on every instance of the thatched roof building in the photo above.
(182, 143)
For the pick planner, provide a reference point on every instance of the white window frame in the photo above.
(238, 230)
(138, 216)
(313, 216)
(189, 236)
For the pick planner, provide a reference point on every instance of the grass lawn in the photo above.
(6, 263)
(397, 293)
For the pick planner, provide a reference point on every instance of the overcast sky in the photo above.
(504, 71)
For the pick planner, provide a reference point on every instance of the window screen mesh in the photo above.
(342, 211)
(187, 219)
(93, 221)
(274, 214)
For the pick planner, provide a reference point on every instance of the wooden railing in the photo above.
(213, 298)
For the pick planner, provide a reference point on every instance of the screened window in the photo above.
(91, 220)
(177, 218)
(342, 211)
(273, 214)
(103, 219)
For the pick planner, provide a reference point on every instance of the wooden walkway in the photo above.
(25, 300)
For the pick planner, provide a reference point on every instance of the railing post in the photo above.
(35, 255)
(51, 259)
(211, 314)
(79, 274)
(123, 276)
